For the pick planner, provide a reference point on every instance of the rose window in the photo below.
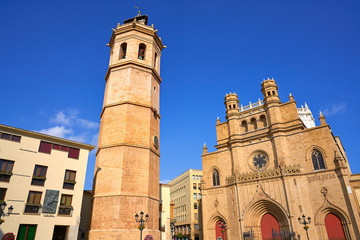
(260, 161)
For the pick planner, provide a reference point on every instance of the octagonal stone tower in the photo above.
(126, 179)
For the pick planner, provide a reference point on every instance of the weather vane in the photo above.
(140, 9)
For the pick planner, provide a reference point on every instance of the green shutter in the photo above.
(31, 232)
(29, 229)
(22, 232)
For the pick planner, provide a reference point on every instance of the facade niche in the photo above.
(244, 126)
(155, 59)
(263, 121)
(141, 54)
(123, 48)
(253, 123)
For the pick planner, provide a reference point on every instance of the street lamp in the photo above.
(222, 226)
(305, 223)
(142, 221)
(172, 226)
(2, 213)
(190, 232)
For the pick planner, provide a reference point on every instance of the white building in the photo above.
(42, 178)
(164, 212)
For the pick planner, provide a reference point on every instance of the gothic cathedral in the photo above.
(273, 166)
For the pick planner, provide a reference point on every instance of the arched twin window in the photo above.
(216, 178)
(318, 160)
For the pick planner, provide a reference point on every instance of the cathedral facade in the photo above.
(272, 166)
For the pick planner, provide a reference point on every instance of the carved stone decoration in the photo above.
(258, 161)
(324, 191)
(50, 201)
(216, 203)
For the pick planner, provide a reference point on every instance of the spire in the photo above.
(217, 120)
(291, 97)
(204, 148)
(322, 119)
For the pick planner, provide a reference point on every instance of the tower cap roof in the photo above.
(137, 17)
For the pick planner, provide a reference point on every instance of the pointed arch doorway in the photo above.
(220, 235)
(334, 227)
(268, 224)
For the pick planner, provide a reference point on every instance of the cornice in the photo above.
(127, 145)
(42, 136)
(122, 195)
(131, 103)
(134, 26)
(138, 65)
(254, 137)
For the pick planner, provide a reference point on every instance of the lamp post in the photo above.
(2, 213)
(190, 232)
(142, 221)
(222, 226)
(305, 223)
(172, 226)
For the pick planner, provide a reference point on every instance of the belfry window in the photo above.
(318, 160)
(141, 54)
(216, 178)
(123, 47)
(155, 59)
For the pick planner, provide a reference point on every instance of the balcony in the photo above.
(32, 208)
(5, 176)
(38, 180)
(65, 210)
(69, 184)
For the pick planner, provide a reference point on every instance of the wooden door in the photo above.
(268, 224)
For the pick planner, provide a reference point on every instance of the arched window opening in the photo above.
(141, 54)
(273, 92)
(268, 93)
(318, 160)
(216, 178)
(254, 123)
(244, 126)
(123, 47)
(155, 59)
(263, 121)
(229, 106)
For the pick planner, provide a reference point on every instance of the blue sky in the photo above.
(53, 61)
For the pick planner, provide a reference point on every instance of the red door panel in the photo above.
(268, 223)
(219, 234)
(334, 227)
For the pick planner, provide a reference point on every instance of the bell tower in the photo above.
(126, 179)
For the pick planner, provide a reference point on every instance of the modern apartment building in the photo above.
(42, 179)
(164, 212)
(185, 193)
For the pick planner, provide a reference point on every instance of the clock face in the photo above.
(156, 141)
